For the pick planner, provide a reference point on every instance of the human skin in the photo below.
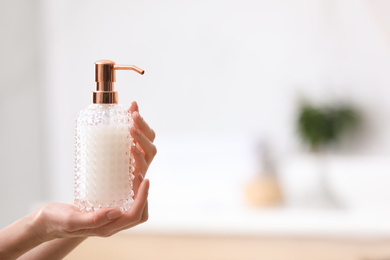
(55, 229)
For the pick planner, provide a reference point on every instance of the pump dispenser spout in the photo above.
(105, 78)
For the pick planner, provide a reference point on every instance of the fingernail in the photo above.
(137, 150)
(140, 177)
(135, 130)
(135, 114)
(113, 214)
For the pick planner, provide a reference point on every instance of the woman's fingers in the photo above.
(143, 135)
(133, 107)
(130, 218)
(140, 124)
(140, 171)
(66, 220)
(141, 166)
(93, 220)
(144, 218)
(148, 148)
(145, 213)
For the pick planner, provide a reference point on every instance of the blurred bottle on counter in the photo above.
(263, 190)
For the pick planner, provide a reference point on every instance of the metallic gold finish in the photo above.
(129, 67)
(105, 78)
(105, 97)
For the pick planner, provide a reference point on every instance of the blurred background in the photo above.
(272, 121)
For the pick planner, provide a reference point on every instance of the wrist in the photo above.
(23, 235)
(38, 224)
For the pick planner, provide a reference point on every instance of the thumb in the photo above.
(95, 219)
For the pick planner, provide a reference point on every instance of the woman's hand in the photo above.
(57, 220)
(24, 238)
(144, 149)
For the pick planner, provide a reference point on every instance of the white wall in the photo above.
(21, 175)
(232, 69)
(212, 67)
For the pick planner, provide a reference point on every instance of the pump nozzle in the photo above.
(129, 67)
(105, 78)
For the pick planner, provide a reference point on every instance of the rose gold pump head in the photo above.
(105, 78)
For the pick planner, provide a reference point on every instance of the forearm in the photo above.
(18, 238)
(53, 250)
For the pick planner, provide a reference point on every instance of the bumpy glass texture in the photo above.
(104, 164)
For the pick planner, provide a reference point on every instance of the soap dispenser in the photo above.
(104, 164)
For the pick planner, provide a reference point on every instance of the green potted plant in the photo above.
(320, 127)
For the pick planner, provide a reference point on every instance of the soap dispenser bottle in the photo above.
(104, 164)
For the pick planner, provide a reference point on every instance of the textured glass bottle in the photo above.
(103, 160)
(104, 164)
